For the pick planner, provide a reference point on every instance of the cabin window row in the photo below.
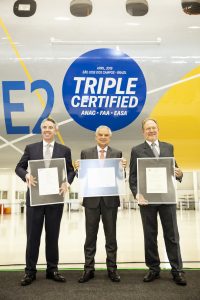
(83, 8)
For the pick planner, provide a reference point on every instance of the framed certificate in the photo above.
(101, 177)
(49, 174)
(156, 180)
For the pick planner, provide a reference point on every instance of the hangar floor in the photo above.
(72, 235)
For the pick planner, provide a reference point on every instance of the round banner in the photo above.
(104, 87)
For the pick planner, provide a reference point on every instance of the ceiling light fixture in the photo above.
(55, 41)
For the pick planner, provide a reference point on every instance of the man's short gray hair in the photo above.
(103, 126)
(50, 120)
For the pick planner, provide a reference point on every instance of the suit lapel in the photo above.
(55, 150)
(162, 149)
(147, 150)
(108, 153)
(95, 153)
(40, 150)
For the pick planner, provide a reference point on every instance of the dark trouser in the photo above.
(170, 231)
(92, 218)
(35, 217)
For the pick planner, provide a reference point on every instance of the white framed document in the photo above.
(101, 177)
(156, 179)
(49, 180)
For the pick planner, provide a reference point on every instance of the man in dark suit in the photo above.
(101, 207)
(149, 212)
(50, 214)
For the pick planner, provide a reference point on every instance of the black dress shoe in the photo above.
(179, 278)
(114, 276)
(27, 279)
(151, 276)
(55, 276)
(87, 275)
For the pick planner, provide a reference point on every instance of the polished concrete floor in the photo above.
(72, 235)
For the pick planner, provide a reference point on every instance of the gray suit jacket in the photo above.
(144, 150)
(110, 201)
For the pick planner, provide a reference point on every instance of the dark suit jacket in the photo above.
(110, 201)
(144, 150)
(35, 152)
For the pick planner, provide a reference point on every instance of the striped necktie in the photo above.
(155, 152)
(101, 154)
(47, 155)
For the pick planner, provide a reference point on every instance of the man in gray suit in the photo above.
(150, 148)
(101, 207)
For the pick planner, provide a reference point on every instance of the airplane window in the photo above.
(191, 7)
(81, 8)
(24, 8)
(137, 7)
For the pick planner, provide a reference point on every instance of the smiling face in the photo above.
(103, 136)
(150, 131)
(48, 130)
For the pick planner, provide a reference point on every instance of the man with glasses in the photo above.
(152, 147)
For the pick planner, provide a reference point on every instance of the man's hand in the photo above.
(141, 200)
(124, 162)
(30, 180)
(63, 189)
(178, 173)
(77, 165)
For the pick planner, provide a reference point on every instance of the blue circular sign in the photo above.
(104, 87)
